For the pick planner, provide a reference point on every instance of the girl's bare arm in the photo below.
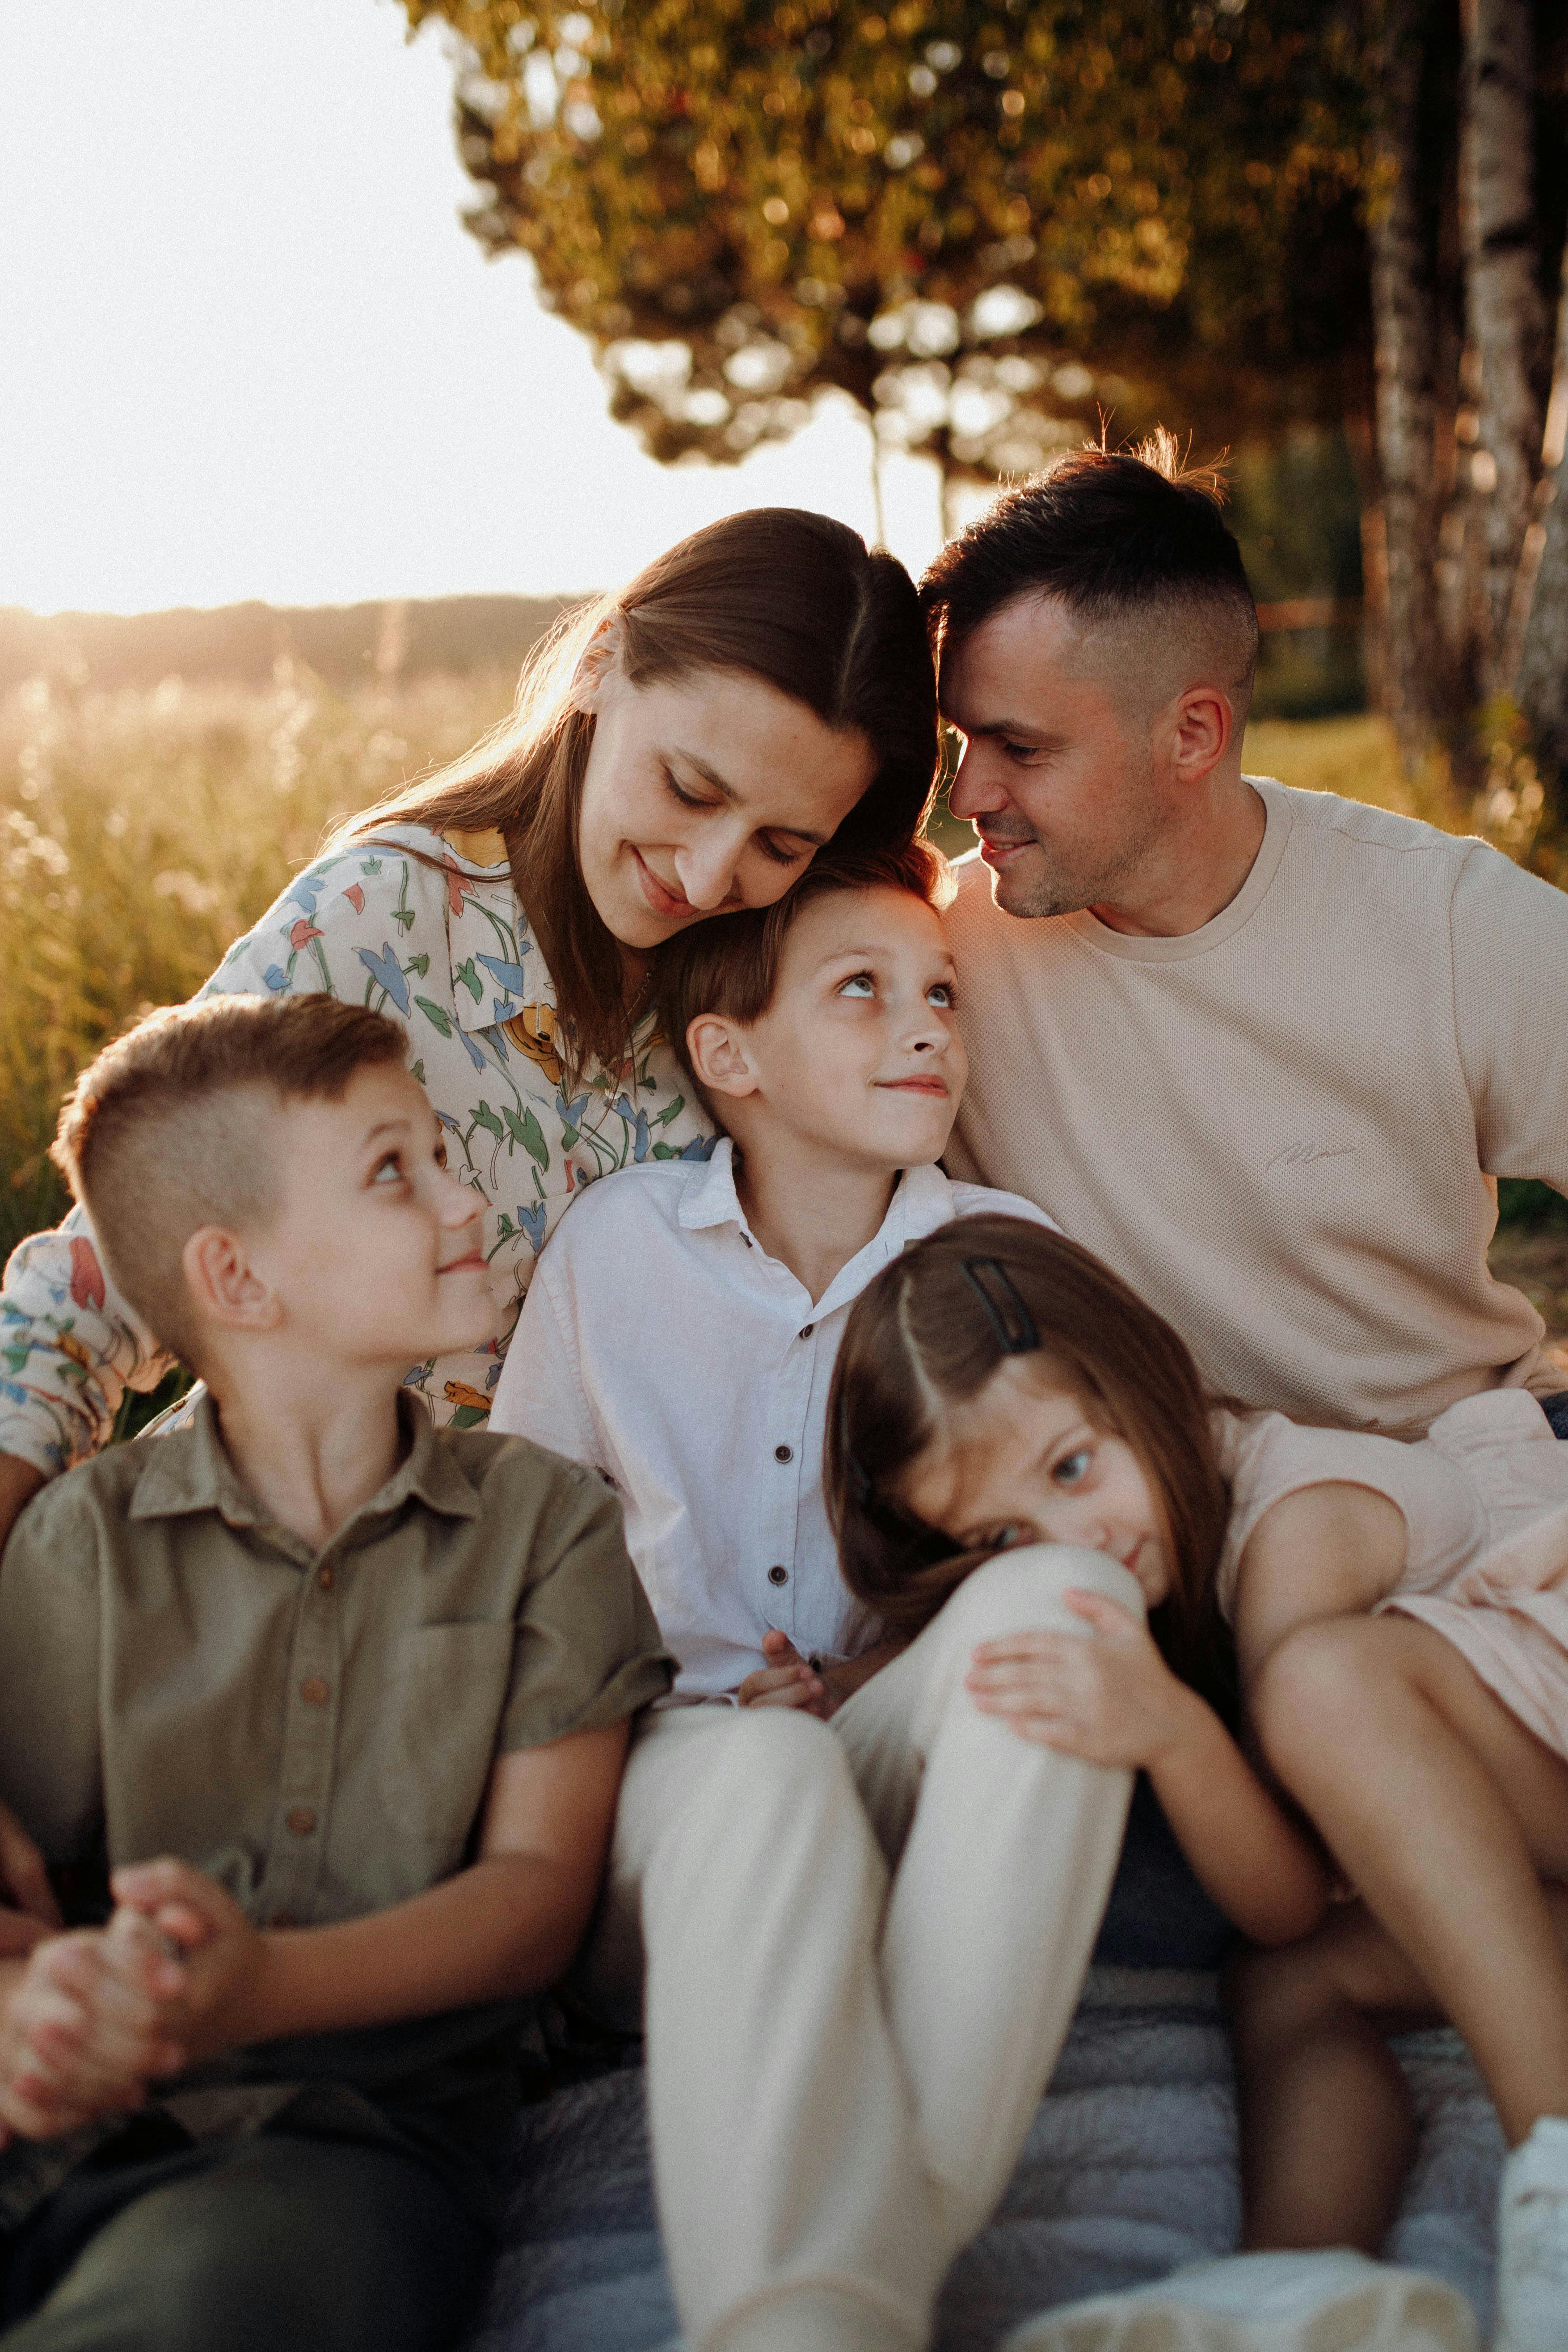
(1325, 1551)
(1113, 1700)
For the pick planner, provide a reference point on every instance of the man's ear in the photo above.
(721, 1054)
(599, 662)
(225, 1287)
(1204, 720)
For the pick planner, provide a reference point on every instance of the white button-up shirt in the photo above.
(661, 1344)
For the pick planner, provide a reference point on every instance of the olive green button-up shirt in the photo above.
(316, 1730)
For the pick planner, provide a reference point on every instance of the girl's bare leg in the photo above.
(1445, 1814)
(1328, 2132)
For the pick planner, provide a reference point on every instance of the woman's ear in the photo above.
(225, 1286)
(600, 662)
(722, 1056)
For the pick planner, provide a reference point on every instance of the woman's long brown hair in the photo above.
(920, 1337)
(790, 597)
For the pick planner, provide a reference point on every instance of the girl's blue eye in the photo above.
(941, 994)
(859, 983)
(1073, 1468)
(1006, 1539)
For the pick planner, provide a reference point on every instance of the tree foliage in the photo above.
(978, 221)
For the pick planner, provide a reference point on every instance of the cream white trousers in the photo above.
(858, 1947)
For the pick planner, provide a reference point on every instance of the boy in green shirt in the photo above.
(324, 1712)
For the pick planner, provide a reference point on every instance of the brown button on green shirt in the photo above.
(179, 1674)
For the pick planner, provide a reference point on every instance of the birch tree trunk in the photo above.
(1505, 313)
(1542, 685)
(1406, 330)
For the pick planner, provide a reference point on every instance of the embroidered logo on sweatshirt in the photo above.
(1299, 1155)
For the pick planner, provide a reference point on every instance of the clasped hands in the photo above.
(99, 2014)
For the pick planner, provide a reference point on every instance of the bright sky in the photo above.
(249, 350)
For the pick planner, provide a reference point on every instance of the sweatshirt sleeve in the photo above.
(1509, 933)
(70, 1343)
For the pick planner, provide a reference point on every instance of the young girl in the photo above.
(1400, 1614)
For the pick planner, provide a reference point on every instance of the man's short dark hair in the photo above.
(1112, 535)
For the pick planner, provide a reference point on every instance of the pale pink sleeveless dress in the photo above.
(1485, 1499)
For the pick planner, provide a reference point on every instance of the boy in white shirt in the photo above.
(680, 1336)
(862, 1941)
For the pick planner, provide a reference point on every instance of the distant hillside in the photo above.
(347, 645)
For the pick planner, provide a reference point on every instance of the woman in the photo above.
(760, 689)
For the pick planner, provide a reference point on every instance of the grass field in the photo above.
(140, 831)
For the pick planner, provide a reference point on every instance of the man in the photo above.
(1266, 1050)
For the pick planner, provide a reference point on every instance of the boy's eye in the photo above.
(859, 983)
(388, 1171)
(441, 1151)
(1073, 1469)
(1006, 1539)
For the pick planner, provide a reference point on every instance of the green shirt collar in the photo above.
(189, 1470)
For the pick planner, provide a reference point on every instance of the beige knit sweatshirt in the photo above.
(1282, 1129)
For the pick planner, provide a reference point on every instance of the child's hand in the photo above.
(88, 2028)
(222, 1955)
(1110, 1698)
(787, 1680)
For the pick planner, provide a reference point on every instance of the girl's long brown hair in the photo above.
(791, 597)
(920, 1337)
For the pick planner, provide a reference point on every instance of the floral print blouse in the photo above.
(444, 947)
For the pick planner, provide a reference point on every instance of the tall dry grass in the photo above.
(141, 832)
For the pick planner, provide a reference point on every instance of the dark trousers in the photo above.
(256, 2245)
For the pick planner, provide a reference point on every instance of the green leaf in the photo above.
(664, 1151)
(504, 1227)
(468, 1416)
(470, 980)
(420, 963)
(533, 1139)
(418, 1070)
(434, 1014)
(670, 1111)
(402, 915)
(485, 1117)
(370, 865)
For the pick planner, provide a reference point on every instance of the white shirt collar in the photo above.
(919, 1202)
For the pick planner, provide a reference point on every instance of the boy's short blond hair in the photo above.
(168, 1131)
(730, 964)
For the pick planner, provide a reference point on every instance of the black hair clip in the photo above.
(1005, 1310)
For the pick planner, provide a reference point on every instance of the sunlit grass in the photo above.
(141, 831)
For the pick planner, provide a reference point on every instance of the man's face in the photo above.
(376, 1252)
(1058, 772)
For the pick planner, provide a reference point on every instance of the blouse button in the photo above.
(301, 1821)
(805, 1330)
(778, 1576)
(784, 1453)
(326, 1577)
(314, 1691)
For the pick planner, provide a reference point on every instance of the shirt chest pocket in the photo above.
(449, 1687)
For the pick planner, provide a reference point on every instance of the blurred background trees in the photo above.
(1271, 223)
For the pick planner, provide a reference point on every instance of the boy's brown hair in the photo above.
(930, 1329)
(168, 1130)
(730, 964)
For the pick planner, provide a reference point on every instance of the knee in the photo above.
(1019, 1590)
(1311, 1687)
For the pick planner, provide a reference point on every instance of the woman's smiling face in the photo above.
(704, 793)
(1022, 1461)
